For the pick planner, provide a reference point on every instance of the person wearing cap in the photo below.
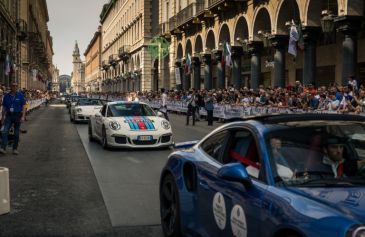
(336, 162)
(13, 114)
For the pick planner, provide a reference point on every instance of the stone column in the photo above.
(310, 36)
(196, 68)
(221, 68)
(349, 26)
(280, 43)
(255, 48)
(237, 52)
(208, 81)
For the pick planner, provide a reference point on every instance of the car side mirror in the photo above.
(235, 172)
(159, 114)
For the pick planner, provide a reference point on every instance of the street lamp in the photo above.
(244, 43)
(327, 21)
(264, 37)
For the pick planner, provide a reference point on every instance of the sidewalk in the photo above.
(52, 185)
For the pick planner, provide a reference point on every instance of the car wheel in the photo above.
(170, 207)
(104, 140)
(90, 132)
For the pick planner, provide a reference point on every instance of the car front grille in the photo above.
(165, 138)
(121, 140)
(141, 143)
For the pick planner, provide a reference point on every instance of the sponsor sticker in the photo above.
(219, 210)
(238, 222)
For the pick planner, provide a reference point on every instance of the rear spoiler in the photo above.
(185, 145)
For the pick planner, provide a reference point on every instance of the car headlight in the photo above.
(165, 124)
(356, 231)
(114, 125)
(78, 110)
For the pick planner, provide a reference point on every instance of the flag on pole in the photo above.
(188, 64)
(227, 54)
(7, 65)
(294, 37)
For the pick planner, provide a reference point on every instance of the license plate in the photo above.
(144, 138)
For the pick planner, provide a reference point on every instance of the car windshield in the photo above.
(324, 154)
(90, 102)
(75, 98)
(130, 109)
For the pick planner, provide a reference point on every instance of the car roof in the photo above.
(285, 118)
(125, 102)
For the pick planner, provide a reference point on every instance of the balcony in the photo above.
(113, 60)
(124, 52)
(214, 3)
(105, 65)
(189, 12)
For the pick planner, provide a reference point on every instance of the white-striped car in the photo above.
(130, 125)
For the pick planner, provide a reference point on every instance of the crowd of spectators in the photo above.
(334, 97)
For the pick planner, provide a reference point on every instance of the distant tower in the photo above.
(78, 73)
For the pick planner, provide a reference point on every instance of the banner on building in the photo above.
(177, 76)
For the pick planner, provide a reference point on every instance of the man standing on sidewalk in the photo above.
(163, 108)
(13, 114)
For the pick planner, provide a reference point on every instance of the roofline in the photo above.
(282, 118)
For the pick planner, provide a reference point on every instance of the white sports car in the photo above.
(129, 124)
(84, 108)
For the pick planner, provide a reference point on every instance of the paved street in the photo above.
(63, 185)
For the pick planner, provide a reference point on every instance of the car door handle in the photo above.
(204, 184)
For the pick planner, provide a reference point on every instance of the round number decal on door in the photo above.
(238, 222)
(219, 210)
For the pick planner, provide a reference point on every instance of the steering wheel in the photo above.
(307, 174)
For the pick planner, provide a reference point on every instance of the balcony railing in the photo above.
(124, 52)
(213, 3)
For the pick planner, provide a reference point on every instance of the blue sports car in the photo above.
(277, 176)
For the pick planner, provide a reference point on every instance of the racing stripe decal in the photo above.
(140, 122)
(132, 124)
(149, 123)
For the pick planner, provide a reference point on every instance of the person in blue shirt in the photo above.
(13, 114)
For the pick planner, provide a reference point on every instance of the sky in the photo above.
(70, 21)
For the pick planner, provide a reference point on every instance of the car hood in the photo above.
(139, 122)
(347, 201)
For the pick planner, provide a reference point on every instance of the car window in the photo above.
(89, 102)
(243, 148)
(317, 155)
(131, 109)
(213, 145)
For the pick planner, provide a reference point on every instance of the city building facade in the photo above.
(78, 73)
(93, 63)
(35, 45)
(127, 30)
(218, 43)
(8, 40)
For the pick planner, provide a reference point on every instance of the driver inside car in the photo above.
(335, 160)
